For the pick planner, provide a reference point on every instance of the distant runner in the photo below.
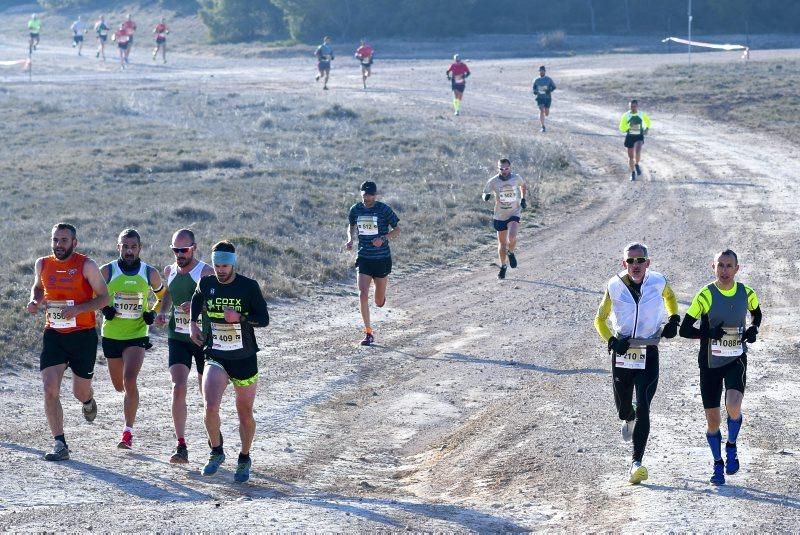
(130, 28)
(126, 321)
(161, 30)
(635, 301)
(457, 73)
(122, 39)
(324, 54)
(543, 88)
(371, 220)
(101, 30)
(722, 308)
(233, 305)
(79, 29)
(634, 124)
(34, 29)
(509, 200)
(70, 288)
(364, 54)
(182, 277)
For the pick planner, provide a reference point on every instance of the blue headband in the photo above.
(223, 258)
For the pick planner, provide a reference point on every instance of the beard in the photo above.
(128, 261)
(62, 253)
(224, 277)
(183, 261)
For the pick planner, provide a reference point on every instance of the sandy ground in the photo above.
(485, 405)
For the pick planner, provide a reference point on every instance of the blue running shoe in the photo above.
(731, 460)
(243, 471)
(214, 460)
(719, 477)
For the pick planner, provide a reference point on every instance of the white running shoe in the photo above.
(638, 473)
(627, 430)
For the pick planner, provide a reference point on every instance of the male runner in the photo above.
(364, 54)
(123, 41)
(78, 31)
(130, 28)
(161, 32)
(509, 191)
(457, 73)
(101, 30)
(233, 305)
(324, 54)
(722, 308)
(634, 124)
(371, 219)
(635, 301)
(34, 29)
(543, 88)
(70, 287)
(126, 322)
(182, 277)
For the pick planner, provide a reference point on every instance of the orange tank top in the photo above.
(64, 285)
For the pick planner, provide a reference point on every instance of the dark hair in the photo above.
(129, 233)
(189, 233)
(369, 187)
(65, 226)
(634, 101)
(541, 68)
(224, 246)
(727, 252)
(504, 160)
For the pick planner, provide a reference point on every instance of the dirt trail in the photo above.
(485, 406)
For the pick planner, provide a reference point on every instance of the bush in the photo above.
(552, 40)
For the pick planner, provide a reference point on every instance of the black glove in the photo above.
(109, 312)
(750, 334)
(619, 346)
(487, 196)
(715, 333)
(148, 317)
(670, 330)
(523, 203)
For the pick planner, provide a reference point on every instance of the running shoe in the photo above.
(731, 460)
(126, 443)
(214, 460)
(638, 473)
(456, 112)
(368, 339)
(316, 78)
(97, 55)
(90, 410)
(243, 471)
(627, 430)
(512, 260)
(60, 452)
(719, 477)
(544, 129)
(180, 455)
(502, 273)
(325, 87)
(633, 176)
(638, 169)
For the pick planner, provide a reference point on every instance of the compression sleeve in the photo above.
(756, 314)
(600, 319)
(670, 301)
(646, 120)
(197, 303)
(623, 123)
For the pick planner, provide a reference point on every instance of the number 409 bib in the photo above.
(226, 336)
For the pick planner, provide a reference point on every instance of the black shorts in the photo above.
(239, 370)
(500, 226)
(103, 38)
(376, 268)
(122, 46)
(34, 36)
(324, 65)
(112, 349)
(544, 101)
(161, 40)
(181, 352)
(76, 349)
(734, 374)
(366, 65)
(458, 87)
(77, 38)
(631, 140)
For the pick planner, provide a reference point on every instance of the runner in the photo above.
(543, 88)
(371, 219)
(161, 32)
(126, 322)
(364, 54)
(78, 31)
(509, 191)
(635, 301)
(182, 278)
(130, 29)
(101, 30)
(457, 73)
(122, 39)
(324, 54)
(722, 308)
(69, 286)
(34, 29)
(233, 305)
(634, 124)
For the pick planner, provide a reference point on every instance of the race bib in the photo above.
(128, 305)
(54, 317)
(507, 196)
(226, 336)
(635, 129)
(183, 320)
(542, 89)
(458, 79)
(634, 359)
(730, 345)
(367, 225)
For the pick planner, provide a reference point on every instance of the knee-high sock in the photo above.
(715, 443)
(733, 428)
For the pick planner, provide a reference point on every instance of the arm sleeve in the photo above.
(623, 123)
(756, 314)
(258, 315)
(670, 301)
(646, 120)
(600, 319)
(197, 302)
(752, 299)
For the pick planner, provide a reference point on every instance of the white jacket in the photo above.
(642, 319)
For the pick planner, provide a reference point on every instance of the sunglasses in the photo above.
(177, 250)
(637, 260)
(504, 168)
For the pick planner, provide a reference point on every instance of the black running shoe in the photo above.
(633, 176)
(180, 456)
(638, 169)
(502, 274)
(512, 260)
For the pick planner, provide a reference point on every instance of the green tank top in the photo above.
(181, 288)
(128, 294)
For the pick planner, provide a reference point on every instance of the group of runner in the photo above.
(210, 312)
(324, 54)
(636, 302)
(123, 36)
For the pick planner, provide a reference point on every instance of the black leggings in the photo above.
(646, 383)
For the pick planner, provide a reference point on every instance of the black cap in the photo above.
(369, 187)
